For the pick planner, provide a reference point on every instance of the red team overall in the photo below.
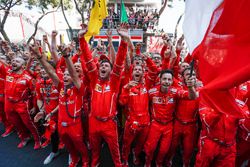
(163, 101)
(104, 85)
(3, 117)
(47, 95)
(71, 92)
(135, 96)
(185, 125)
(18, 89)
(217, 143)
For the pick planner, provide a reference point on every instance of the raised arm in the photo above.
(122, 51)
(53, 49)
(29, 63)
(130, 54)
(3, 63)
(86, 56)
(127, 62)
(70, 66)
(152, 71)
(41, 57)
(173, 57)
(111, 49)
(131, 48)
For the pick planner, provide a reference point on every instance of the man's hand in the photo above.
(131, 84)
(180, 43)
(66, 51)
(138, 45)
(32, 111)
(109, 35)
(165, 39)
(123, 31)
(35, 49)
(39, 116)
(54, 33)
(45, 39)
(145, 56)
(83, 31)
(6, 47)
(48, 116)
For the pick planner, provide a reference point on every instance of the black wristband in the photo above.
(66, 55)
(39, 57)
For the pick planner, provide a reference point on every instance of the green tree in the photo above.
(82, 6)
(46, 7)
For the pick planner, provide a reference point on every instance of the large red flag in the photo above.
(224, 55)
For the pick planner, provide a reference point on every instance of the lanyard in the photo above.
(66, 102)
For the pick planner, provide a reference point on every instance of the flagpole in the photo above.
(21, 22)
(120, 11)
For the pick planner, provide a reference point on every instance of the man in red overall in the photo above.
(8, 127)
(135, 96)
(71, 91)
(18, 89)
(185, 125)
(163, 101)
(243, 142)
(104, 85)
(217, 143)
(47, 102)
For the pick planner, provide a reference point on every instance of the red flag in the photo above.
(224, 55)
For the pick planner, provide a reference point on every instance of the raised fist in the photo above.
(54, 33)
(83, 31)
(123, 31)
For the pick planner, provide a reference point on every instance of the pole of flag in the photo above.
(54, 20)
(21, 22)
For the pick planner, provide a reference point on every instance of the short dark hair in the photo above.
(106, 61)
(167, 71)
(136, 56)
(186, 69)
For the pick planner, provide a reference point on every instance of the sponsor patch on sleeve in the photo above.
(153, 90)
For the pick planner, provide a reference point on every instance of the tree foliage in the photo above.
(82, 6)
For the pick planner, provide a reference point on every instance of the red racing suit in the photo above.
(18, 90)
(103, 104)
(3, 118)
(217, 143)
(161, 128)
(243, 142)
(49, 95)
(185, 129)
(138, 120)
(70, 123)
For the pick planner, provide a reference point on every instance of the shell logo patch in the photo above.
(98, 88)
(9, 79)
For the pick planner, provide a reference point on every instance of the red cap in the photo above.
(104, 57)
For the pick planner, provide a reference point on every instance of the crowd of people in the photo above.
(79, 95)
(138, 19)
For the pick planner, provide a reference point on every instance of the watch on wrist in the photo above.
(39, 57)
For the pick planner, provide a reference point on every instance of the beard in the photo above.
(16, 68)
